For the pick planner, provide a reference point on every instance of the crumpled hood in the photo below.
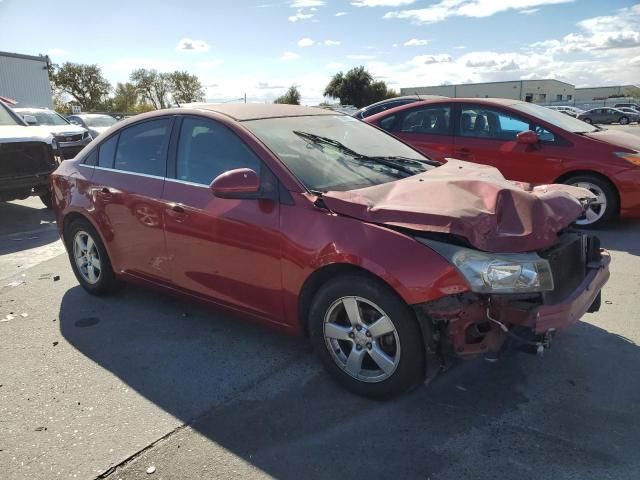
(20, 133)
(470, 200)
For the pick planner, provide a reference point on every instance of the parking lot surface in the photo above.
(118, 386)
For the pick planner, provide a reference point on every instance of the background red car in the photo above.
(527, 143)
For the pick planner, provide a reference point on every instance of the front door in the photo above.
(128, 184)
(488, 135)
(225, 249)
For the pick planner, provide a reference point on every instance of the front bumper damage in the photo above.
(470, 324)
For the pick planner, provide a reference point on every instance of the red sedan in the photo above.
(319, 224)
(528, 143)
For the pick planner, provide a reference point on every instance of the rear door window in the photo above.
(107, 152)
(142, 148)
(431, 119)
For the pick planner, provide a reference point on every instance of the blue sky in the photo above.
(261, 47)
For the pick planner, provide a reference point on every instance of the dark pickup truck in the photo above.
(28, 155)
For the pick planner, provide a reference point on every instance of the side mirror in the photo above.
(238, 183)
(30, 119)
(528, 137)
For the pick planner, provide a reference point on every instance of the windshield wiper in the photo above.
(386, 161)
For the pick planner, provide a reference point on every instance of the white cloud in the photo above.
(289, 56)
(414, 42)
(300, 15)
(305, 42)
(467, 8)
(529, 11)
(331, 43)
(341, 14)
(381, 3)
(306, 3)
(429, 59)
(189, 45)
(603, 33)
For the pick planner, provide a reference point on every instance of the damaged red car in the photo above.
(322, 225)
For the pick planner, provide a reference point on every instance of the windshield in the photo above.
(555, 118)
(99, 121)
(5, 116)
(45, 118)
(328, 152)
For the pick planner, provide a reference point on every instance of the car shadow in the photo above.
(621, 234)
(263, 396)
(24, 227)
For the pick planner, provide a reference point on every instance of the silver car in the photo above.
(96, 123)
(608, 115)
(70, 138)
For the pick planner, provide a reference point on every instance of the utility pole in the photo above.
(245, 98)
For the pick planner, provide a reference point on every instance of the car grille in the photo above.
(568, 262)
(25, 158)
(69, 138)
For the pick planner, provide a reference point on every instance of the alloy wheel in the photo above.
(361, 339)
(596, 208)
(87, 257)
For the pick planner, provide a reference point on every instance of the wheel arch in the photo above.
(320, 277)
(577, 173)
(74, 215)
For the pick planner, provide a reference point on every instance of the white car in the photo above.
(96, 123)
(28, 155)
(71, 138)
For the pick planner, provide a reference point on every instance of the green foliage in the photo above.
(292, 97)
(152, 86)
(125, 98)
(84, 83)
(185, 87)
(357, 88)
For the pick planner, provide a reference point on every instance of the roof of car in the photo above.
(256, 111)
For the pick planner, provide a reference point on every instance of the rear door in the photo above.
(127, 187)
(487, 135)
(224, 249)
(427, 128)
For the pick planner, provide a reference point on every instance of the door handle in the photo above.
(177, 212)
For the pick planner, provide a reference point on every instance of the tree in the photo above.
(357, 88)
(292, 97)
(185, 87)
(126, 98)
(84, 83)
(152, 86)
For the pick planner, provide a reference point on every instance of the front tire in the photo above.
(366, 336)
(605, 207)
(588, 120)
(624, 120)
(47, 199)
(89, 258)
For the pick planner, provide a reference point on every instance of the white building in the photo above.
(600, 93)
(25, 78)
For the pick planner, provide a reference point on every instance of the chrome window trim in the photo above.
(186, 182)
(130, 173)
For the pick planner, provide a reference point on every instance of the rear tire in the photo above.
(588, 120)
(366, 336)
(47, 199)
(600, 213)
(89, 258)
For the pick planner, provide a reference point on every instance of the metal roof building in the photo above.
(25, 78)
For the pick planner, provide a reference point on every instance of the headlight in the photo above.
(497, 273)
(87, 135)
(629, 157)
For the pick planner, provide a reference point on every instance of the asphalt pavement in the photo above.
(142, 382)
